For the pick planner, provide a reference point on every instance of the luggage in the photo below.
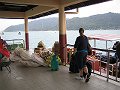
(74, 69)
(54, 63)
(73, 66)
(113, 59)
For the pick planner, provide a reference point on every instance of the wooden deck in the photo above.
(42, 78)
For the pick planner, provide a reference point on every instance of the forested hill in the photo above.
(95, 22)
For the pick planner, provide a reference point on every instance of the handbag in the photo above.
(89, 49)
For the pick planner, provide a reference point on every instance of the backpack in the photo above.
(73, 66)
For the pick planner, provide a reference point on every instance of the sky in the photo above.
(110, 6)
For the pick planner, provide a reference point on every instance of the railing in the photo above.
(111, 69)
(14, 43)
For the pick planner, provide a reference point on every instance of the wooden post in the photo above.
(26, 33)
(62, 35)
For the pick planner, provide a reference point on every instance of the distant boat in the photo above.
(19, 33)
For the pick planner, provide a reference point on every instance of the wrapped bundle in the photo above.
(41, 45)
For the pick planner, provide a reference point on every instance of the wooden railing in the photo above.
(14, 43)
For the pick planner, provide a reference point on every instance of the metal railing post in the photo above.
(116, 74)
(107, 65)
(108, 61)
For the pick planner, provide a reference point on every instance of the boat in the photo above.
(19, 33)
(104, 37)
(14, 43)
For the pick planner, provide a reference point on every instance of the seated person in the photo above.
(116, 47)
(1, 42)
(4, 53)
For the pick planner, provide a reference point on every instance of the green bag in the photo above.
(54, 63)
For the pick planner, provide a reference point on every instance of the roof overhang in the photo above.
(39, 8)
(104, 37)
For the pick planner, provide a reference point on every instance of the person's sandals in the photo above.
(87, 78)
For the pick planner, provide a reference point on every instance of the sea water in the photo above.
(49, 37)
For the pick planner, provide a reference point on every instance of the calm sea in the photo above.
(49, 37)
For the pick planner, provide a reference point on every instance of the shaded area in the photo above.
(42, 78)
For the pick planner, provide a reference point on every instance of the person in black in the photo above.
(116, 47)
(81, 53)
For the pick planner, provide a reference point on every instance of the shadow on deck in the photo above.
(42, 78)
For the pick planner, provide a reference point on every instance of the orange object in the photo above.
(95, 63)
(68, 49)
(93, 52)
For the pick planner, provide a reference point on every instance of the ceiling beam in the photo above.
(38, 10)
(8, 14)
(71, 2)
(54, 3)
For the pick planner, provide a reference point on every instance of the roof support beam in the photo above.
(62, 35)
(8, 14)
(34, 2)
(37, 10)
(77, 11)
(71, 2)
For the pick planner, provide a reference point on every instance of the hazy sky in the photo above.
(110, 6)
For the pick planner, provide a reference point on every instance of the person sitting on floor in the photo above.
(4, 53)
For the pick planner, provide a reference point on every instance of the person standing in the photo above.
(81, 52)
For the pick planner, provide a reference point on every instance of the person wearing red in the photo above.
(4, 52)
